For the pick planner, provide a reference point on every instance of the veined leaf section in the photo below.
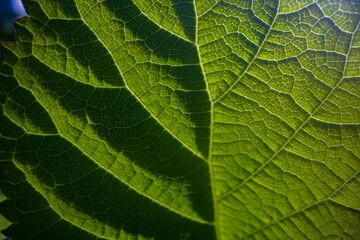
(110, 109)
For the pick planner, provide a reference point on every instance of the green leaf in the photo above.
(174, 119)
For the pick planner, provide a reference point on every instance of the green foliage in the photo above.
(174, 119)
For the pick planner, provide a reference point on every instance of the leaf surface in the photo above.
(178, 119)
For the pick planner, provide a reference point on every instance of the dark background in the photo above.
(9, 9)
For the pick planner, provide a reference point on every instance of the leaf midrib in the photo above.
(215, 210)
(213, 102)
(208, 159)
(219, 198)
(185, 145)
(190, 218)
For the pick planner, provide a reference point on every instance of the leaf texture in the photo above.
(179, 119)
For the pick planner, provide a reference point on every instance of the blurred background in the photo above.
(9, 9)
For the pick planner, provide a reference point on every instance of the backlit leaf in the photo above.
(179, 119)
